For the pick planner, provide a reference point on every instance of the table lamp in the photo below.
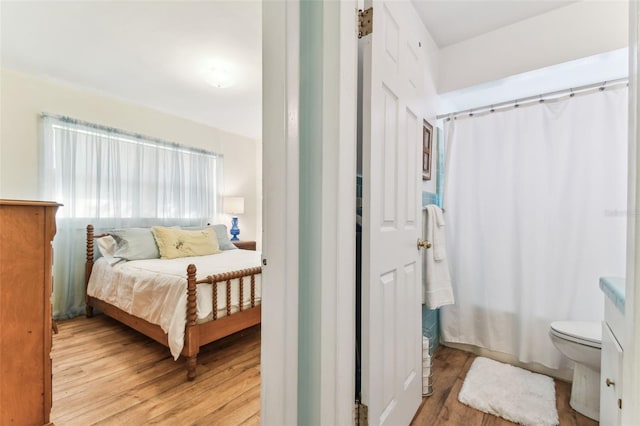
(234, 206)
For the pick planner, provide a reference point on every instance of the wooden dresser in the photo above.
(26, 232)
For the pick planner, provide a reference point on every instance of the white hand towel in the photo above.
(439, 246)
(437, 290)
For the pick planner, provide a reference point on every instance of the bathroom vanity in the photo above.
(612, 351)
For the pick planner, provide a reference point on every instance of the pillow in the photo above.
(174, 243)
(223, 237)
(107, 246)
(135, 244)
(221, 234)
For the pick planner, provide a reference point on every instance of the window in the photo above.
(97, 172)
(111, 178)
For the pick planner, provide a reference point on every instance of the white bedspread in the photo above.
(156, 289)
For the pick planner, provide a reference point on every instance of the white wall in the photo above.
(581, 29)
(607, 66)
(432, 102)
(23, 98)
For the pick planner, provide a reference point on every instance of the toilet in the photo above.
(580, 341)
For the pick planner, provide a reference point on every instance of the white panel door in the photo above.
(392, 114)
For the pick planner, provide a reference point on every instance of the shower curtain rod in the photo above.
(537, 98)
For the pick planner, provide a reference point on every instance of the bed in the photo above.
(166, 301)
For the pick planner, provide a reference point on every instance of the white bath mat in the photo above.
(510, 392)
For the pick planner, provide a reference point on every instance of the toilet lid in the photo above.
(586, 332)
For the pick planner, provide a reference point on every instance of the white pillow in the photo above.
(107, 246)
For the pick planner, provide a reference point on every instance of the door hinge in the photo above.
(365, 22)
(620, 403)
(360, 414)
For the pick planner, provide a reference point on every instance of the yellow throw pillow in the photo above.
(174, 242)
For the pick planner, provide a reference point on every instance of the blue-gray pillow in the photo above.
(223, 237)
(135, 244)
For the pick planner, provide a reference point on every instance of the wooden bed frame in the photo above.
(195, 335)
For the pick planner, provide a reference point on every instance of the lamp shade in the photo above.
(233, 205)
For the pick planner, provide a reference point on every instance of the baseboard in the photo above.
(560, 374)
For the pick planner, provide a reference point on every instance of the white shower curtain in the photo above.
(535, 201)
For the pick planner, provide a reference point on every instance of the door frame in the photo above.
(280, 140)
(631, 366)
(306, 337)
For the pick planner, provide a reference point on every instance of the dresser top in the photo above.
(28, 203)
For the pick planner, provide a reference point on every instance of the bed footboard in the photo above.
(196, 334)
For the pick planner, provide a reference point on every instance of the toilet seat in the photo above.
(588, 333)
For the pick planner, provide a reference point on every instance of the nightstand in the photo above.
(245, 245)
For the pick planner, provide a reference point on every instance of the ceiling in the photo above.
(159, 53)
(151, 53)
(453, 21)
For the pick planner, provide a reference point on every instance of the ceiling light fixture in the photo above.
(220, 78)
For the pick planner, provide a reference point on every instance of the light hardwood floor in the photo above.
(104, 373)
(450, 367)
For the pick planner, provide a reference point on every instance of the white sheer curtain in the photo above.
(535, 203)
(110, 178)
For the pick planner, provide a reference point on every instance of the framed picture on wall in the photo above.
(427, 139)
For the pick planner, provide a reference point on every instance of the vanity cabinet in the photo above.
(611, 378)
(612, 352)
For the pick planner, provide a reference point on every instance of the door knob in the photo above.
(423, 244)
